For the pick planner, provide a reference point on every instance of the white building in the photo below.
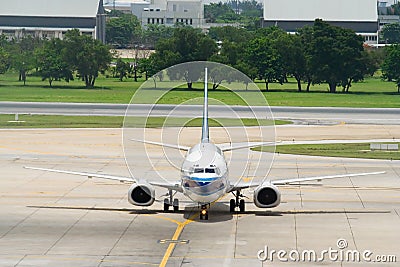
(291, 15)
(164, 12)
(387, 3)
(170, 12)
(134, 7)
(52, 19)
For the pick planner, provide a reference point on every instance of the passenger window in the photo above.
(198, 170)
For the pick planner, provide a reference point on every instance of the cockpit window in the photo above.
(210, 170)
(198, 170)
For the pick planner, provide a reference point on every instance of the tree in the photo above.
(4, 62)
(391, 33)
(187, 44)
(391, 65)
(50, 63)
(219, 12)
(122, 69)
(335, 53)
(230, 34)
(86, 55)
(155, 32)
(21, 53)
(123, 30)
(306, 36)
(292, 53)
(263, 56)
(233, 44)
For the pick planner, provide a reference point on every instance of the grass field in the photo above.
(373, 92)
(335, 150)
(50, 121)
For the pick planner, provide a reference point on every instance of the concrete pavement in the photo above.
(49, 219)
(306, 115)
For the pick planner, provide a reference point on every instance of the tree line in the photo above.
(321, 53)
(318, 54)
(56, 59)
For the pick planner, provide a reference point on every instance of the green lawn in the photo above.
(373, 92)
(106, 91)
(335, 150)
(50, 121)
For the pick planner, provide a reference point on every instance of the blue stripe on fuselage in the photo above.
(198, 179)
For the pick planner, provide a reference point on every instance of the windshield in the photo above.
(210, 170)
(198, 170)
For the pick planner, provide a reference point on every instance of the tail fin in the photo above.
(204, 131)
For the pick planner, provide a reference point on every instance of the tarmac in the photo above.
(49, 219)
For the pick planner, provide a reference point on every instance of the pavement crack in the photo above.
(235, 233)
(397, 213)
(20, 260)
(295, 230)
(67, 231)
(117, 241)
(299, 184)
(395, 171)
(72, 189)
(19, 223)
(355, 189)
(351, 229)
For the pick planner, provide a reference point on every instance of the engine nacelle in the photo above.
(141, 194)
(267, 196)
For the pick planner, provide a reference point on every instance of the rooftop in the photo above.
(309, 10)
(50, 8)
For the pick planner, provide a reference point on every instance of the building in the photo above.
(291, 15)
(164, 12)
(170, 12)
(387, 3)
(52, 18)
(126, 6)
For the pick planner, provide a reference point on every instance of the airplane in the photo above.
(205, 176)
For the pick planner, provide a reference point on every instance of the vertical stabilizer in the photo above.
(204, 131)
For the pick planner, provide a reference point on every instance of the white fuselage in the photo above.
(205, 173)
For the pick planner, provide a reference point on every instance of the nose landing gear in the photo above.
(204, 212)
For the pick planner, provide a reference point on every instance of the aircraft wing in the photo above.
(242, 185)
(241, 145)
(89, 175)
(246, 185)
(170, 186)
(184, 148)
(319, 178)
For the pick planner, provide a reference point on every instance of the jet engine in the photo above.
(267, 196)
(141, 194)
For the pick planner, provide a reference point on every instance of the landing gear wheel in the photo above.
(176, 205)
(232, 205)
(166, 204)
(238, 201)
(242, 205)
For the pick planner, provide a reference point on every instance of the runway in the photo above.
(49, 219)
(305, 115)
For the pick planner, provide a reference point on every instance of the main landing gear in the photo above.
(171, 201)
(237, 202)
